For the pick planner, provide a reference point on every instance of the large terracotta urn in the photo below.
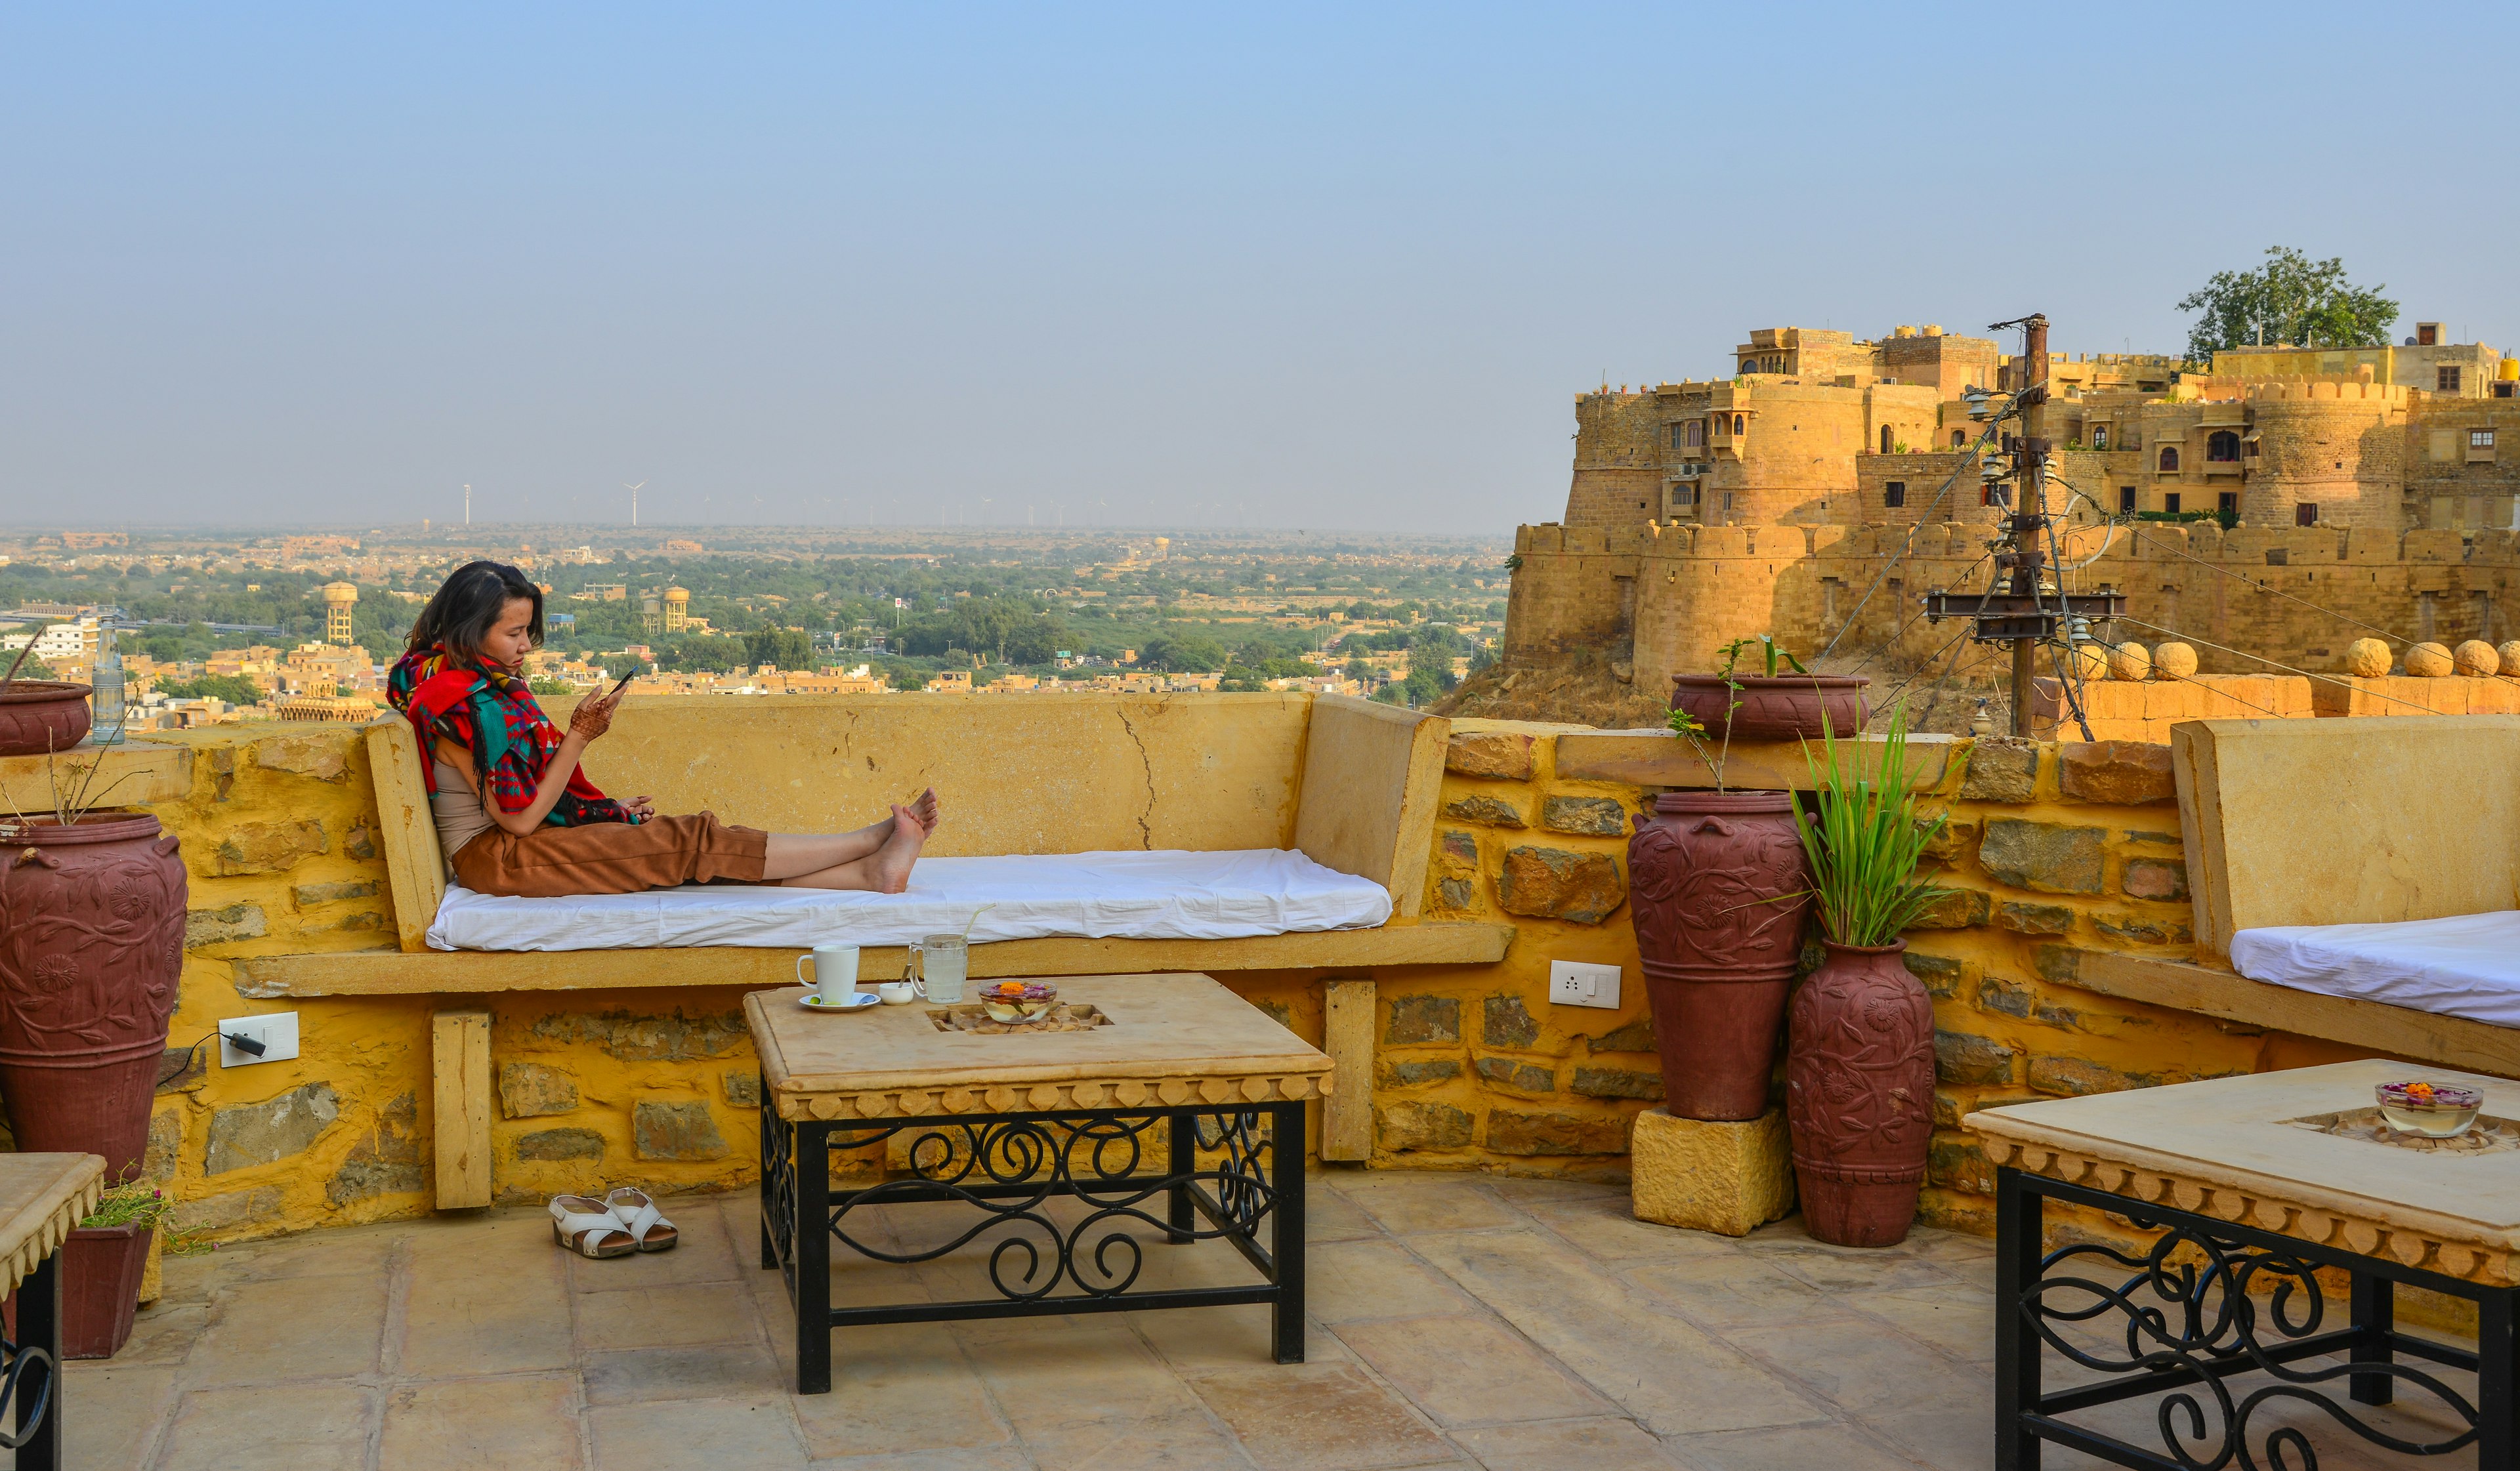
(91, 944)
(1709, 877)
(1859, 1094)
(1773, 707)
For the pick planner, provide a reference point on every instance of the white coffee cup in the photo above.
(898, 993)
(836, 973)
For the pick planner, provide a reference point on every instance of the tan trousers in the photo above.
(611, 858)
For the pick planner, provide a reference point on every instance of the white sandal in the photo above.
(647, 1225)
(590, 1228)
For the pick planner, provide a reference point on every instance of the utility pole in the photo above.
(467, 505)
(2029, 519)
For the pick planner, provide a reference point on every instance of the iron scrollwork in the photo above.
(2187, 1311)
(22, 1359)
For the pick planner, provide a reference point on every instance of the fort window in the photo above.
(2427, 335)
(2126, 500)
(2223, 447)
(1693, 433)
(1683, 495)
(1895, 494)
(2170, 504)
(1886, 440)
(2306, 513)
(2099, 436)
(2228, 502)
(1959, 439)
(2480, 440)
(2447, 378)
(2169, 459)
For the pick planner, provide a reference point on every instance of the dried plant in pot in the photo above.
(1859, 1054)
(1717, 892)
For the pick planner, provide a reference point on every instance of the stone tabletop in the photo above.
(41, 1197)
(2227, 1147)
(1174, 1040)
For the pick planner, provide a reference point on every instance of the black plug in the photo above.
(242, 1044)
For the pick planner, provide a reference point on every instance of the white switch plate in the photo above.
(1576, 983)
(277, 1031)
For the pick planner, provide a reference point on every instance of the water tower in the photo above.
(339, 598)
(678, 607)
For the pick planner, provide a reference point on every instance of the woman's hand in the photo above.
(591, 717)
(641, 809)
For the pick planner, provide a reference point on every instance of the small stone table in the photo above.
(2253, 1183)
(42, 1196)
(1004, 1122)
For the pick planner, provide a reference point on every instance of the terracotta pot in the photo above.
(1717, 943)
(91, 943)
(38, 716)
(101, 1268)
(1786, 707)
(1859, 1094)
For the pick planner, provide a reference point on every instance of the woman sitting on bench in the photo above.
(516, 817)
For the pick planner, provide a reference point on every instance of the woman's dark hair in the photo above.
(468, 606)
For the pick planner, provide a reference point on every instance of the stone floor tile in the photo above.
(682, 1312)
(1739, 1289)
(1601, 1445)
(491, 1240)
(358, 1252)
(898, 1389)
(1962, 1439)
(1831, 1446)
(1838, 1270)
(1349, 1281)
(1318, 1417)
(188, 1279)
(313, 1327)
(304, 1427)
(1530, 1191)
(1047, 1373)
(1176, 1439)
(483, 1425)
(1225, 1338)
(163, 1334)
(1408, 1203)
(1660, 1368)
(463, 1317)
(696, 1435)
(1465, 1370)
(1330, 1216)
(703, 1252)
(117, 1411)
(1866, 1367)
(995, 1458)
(702, 1371)
(1939, 1245)
(1609, 1231)
(1959, 1320)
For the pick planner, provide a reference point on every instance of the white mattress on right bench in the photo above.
(2465, 966)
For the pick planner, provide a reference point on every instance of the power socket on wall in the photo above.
(277, 1031)
(1577, 983)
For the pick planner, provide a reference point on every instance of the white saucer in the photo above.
(859, 1001)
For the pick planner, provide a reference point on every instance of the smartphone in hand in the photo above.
(621, 683)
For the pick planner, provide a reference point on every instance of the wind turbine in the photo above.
(633, 500)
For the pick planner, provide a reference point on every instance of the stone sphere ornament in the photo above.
(2477, 659)
(2367, 659)
(2429, 661)
(2510, 655)
(2173, 661)
(2130, 662)
(2090, 661)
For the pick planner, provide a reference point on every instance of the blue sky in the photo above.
(1265, 266)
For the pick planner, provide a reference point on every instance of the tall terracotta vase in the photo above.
(1706, 878)
(91, 944)
(1859, 1094)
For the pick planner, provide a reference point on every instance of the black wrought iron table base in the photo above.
(1008, 1168)
(2183, 1324)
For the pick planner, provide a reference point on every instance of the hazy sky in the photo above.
(1251, 266)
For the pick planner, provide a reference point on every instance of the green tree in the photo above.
(1182, 654)
(2291, 298)
(235, 689)
(779, 648)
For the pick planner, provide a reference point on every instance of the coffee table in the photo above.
(1114, 1118)
(2250, 1192)
(42, 1196)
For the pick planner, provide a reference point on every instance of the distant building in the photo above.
(340, 599)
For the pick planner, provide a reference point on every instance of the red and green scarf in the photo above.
(492, 715)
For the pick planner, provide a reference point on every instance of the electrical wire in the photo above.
(2324, 679)
(1908, 541)
(2263, 587)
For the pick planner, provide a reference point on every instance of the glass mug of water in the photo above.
(941, 962)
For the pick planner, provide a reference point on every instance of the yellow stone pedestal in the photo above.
(1729, 1179)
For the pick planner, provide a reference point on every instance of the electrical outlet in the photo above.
(1574, 983)
(277, 1031)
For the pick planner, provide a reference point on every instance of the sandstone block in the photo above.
(2047, 857)
(743, 1086)
(221, 927)
(1494, 812)
(259, 1133)
(1503, 1023)
(2034, 919)
(651, 1039)
(2155, 879)
(529, 1090)
(1594, 816)
(1457, 893)
(2144, 929)
(361, 841)
(1959, 1057)
(166, 1144)
(1522, 1076)
(2001, 770)
(1957, 909)
(1527, 1134)
(384, 1163)
(1730, 1178)
(676, 1131)
(2367, 659)
(322, 757)
(1501, 754)
(217, 1212)
(561, 1144)
(1959, 1165)
(1423, 1018)
(1413, 1074)
(1553, 884)
(183, 1070)
(2508, 657)
(2429, 661)
(267, 847)
(2075, 1077)
(2477, 659)
(1617, 1082)
(1951, 840)
(1459, 847)
(1402, 1127)
(1941, 974)
(308, 895)
(2122, 773)
(1633, 1035)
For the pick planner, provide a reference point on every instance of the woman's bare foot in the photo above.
(889, 869)
(926, 810)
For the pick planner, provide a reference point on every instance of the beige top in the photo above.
(2227, 1147)
(1174, 1040)
(41, 1197)
(458, 811)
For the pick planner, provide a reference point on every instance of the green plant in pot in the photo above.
(1860, 1053)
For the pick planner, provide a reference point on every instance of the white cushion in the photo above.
(2465, 966)
(1138, 896)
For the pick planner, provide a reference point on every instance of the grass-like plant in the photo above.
(136, 1203)
(1865, 841)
